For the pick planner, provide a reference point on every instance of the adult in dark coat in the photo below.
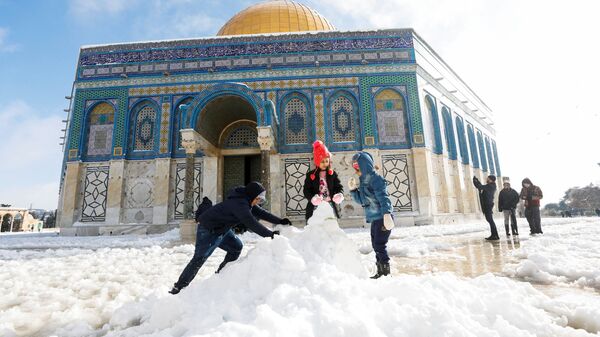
(486, 197)
(508, 199)
(215, 229)
(531, 196)
(322, 183)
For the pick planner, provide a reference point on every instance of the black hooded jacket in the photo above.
(508, 199)
(486, 195)
(311, 188)
(236, 210)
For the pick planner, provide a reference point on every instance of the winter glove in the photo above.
(388, 222)
(316, 200)
(352, 184)
(338, 198)
(274, 233)
(285, 221)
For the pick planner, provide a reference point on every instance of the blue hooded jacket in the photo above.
(372, 192)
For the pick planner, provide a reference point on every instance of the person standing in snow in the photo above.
(215, 229)
(508, 199)
(532, 195)
(486, 198)
(322, 184)
(371, 192)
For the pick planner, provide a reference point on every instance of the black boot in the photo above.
(175, 290)
(383, 269)
(507, 231)
(493, 238)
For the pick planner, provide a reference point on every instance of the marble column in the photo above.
(190, 140)
(426, 191)
(266, 141)
(115, 191)
(71, 186)
(162, 176)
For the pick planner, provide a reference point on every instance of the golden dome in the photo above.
(276, 16)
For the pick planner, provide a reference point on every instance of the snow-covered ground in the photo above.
(311, 282)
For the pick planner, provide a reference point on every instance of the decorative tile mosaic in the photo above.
(295, 172)
(209, 48)
(343, 115)
(144, 129)
(164, 127)
(395, 172)
(94, 194)
(101, 124)
(390, 111)
(296, 120)
(319, 116)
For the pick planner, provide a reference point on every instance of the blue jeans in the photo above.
(379, 240)
(206, 243)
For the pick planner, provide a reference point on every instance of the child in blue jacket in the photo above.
(372, 194)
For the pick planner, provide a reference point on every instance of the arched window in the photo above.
(179, 123)
(473, 146)
(482, 155)
(244, 136)
(143, 127)
(391, 121)
(462, 140)
(100, 132)
(342, 117)
(435, 134)
(449, 132)
(488, 151)
(296, 119)
(495, 149)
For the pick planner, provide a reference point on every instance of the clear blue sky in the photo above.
(533, 62)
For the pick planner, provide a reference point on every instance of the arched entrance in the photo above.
(228, 122)
(6, 221)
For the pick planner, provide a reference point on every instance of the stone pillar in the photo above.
(426, 194)
(12, 220)
(161, 191)
(115, 192)
(266, 141)
(190, 142)
(458, 190)
(210, 182)
(70, 189)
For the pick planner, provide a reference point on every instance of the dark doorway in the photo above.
(239, 171)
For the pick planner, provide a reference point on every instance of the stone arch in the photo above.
(437, 147)
(391, 105)
(97, 139)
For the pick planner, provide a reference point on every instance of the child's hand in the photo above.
(338, 198)
(316, 200)
(353, 184)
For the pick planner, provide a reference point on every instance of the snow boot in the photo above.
(175, 290)
(383, 269)
(493, 238)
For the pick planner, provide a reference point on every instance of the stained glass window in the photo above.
(342, 119)
(296, 121)
(100, 134)
(391, 124)
(145, 125)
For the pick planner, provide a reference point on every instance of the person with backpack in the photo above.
(508, 199)
(322, 184)
(486, 198)
(371, 193)
(215, 229)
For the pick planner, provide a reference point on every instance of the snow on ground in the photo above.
(309, 282)
(567, 253)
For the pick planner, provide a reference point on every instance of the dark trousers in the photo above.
(489, 217)
(534, 219)
(206, 243)
(379, 240)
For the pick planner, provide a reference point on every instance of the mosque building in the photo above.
(156, 126)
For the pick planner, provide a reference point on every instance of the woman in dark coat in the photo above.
(322, 183)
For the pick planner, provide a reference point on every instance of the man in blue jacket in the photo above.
(372, 194)
(215, 229)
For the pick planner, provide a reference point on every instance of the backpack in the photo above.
(203, 207)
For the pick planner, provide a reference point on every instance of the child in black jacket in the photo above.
(322, 183)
